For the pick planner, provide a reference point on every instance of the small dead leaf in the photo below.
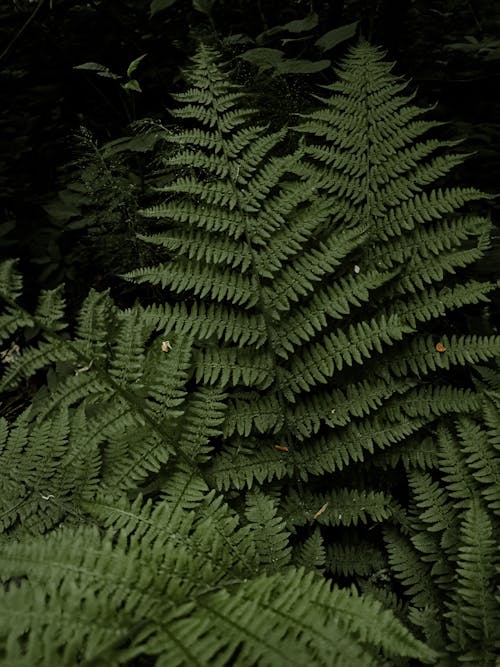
(320, 511)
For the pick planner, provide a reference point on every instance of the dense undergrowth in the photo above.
(286, 451)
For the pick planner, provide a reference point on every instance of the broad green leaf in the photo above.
(100, 69)
(138, 144)
(263, 57)
(336, 36)
(159, 5)
(302, 25)
(239, 38)
(301, 66)
(135, 64)
(133, 84)
(204, 6)
(295, 39)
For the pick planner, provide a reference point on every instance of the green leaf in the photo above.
(133, 84)
(140, 143)
(301, 66)
(134, 65)
(336, 36)
(264, 58)
(58, 209)
(100, 69)
(159, 5)
(302, 25)
(204, 6)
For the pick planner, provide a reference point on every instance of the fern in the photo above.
(114, 411)
(448, 562)
(46, 469)
(313, 282)
(306, 295)
(180, 582)
(352, 256)
(340, 507)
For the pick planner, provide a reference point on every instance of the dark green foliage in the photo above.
(93, 219)
(177, 577)
(446, 555)
(178, 580)
(303, 348)
(174, 579)
(114, 410)
(317, 281)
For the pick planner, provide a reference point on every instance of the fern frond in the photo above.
(425, 306)
(417, 451)
(50, 310)
(434, 507)
(235, 366)
(201, 422)
(205, 321)
(204, 280)
(474, 617)
(339, 406)
(451, 545)
(11, 281)
(471, 463)
(311, 554)
(253, 412)
(457, 476)
(320, 361)
(111, 416)
(319, 455)
(335, 301)
(161, 581)
(419, 355)
(45, 471)
(413, 573)
(431, 401)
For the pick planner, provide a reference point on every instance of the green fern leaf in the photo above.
(475, 615)
(161, 581)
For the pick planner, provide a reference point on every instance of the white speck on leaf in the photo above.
(82, 369)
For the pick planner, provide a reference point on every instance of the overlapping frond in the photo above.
(446, 553)
(46, 469)
(309, 278)
(111, 416)
(312, 285)
(182, 586)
